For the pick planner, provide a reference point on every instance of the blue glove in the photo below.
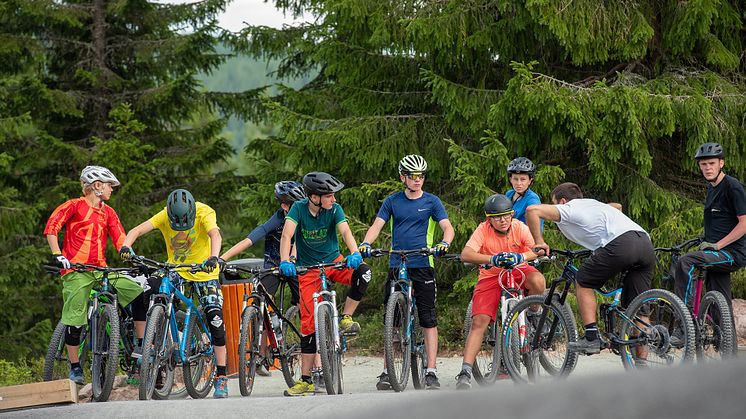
(354, 260)
(288, 268)
(442, 248)
(364, 249)
(507, 260)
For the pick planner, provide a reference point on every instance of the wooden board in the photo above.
(34, 394)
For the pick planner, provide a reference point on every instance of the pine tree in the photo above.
(105, 82)
(613, 95)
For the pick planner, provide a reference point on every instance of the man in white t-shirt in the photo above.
(618, 244)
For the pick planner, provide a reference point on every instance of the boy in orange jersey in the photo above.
(88, 222)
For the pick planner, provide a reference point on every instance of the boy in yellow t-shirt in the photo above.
(192, 235)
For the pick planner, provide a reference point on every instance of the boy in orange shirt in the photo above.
(505, 243)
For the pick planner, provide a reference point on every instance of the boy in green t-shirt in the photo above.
(192, 235)
(314, 222)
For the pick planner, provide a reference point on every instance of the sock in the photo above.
(221, 371)
(74, 365)
(385, 370)
(466, 367)
(431, 370)
(306, 378)
(139, 342)
(591, 332)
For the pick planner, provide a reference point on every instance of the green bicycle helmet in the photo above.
(181, 210)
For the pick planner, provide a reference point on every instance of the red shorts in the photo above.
(486, 297)
(310, 283)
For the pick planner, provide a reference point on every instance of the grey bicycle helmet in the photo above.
(288, 191)
(709, 150)
(412, 163)
(181, 210)
(498, 204)
(98, 173)
(522, 165)
(321, 183)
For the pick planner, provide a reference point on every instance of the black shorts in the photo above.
(424, 291)
(272, 283)
(631, 252)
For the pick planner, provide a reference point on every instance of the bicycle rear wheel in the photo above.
(199, 368)
(290, 349)
(397, 342)
(419, 354)
(522, 359)
(716, 334)
(56, 362)
(248, 350)
(330, 356)
(154, 350)
(489, 352)
(105, 352)
(655, 316)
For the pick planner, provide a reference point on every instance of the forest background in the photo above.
(612, 95)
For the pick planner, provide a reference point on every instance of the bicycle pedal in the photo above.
(348, 334)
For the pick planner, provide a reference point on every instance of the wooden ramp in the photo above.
(35, 394)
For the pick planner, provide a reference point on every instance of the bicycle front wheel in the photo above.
(155, 350)
(248, 350)
(419, 354)
(661, 329)
(489, 353)
(531, 339)
(105, 351)
(290, 348)
(397, 341)
(716, 334)
(199, 368)
(328, 350)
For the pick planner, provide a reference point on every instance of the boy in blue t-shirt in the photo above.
(521, 175)
(313, 223)
(414, 214)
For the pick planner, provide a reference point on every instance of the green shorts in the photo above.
(76, 289)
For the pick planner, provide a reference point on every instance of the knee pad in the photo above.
(214, 316)
(308, 344)
(72, 335)
(139, 308)
(360, 279)
(428, 317)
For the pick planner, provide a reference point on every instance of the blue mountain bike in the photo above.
(165, 346)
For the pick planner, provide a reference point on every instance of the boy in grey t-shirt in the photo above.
(618, 244)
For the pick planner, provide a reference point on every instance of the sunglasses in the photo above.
(500, 217)
(415, 176)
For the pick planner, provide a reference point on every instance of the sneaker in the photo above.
(221, 388)
(317, 377)
(137, 352)
(502, 372)
(677, 338)
(463, 380)
(431, 381)
(134, 379)
(383, 382)
(262, 370)
(641, 363)
(585, 346)
(301, 388)
(347, 325)
(76, 375)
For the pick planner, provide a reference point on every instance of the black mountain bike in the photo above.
(261, 313)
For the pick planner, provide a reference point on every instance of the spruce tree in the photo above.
(612, 95)
(105, 82)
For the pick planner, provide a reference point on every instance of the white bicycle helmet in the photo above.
(97, 173)
(412, 163)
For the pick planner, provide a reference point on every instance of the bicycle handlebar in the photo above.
(336, 265)
(570, 253)
(178, 267)
(425, 251)
(234, 269)
(82, 267)
(681, 246)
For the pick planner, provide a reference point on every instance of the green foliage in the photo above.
(21, 372)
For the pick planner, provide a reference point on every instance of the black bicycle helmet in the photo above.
(321, 183)
(522, 165)
(288, 191)
(709, 150)
(498, 204)
(181, 210)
